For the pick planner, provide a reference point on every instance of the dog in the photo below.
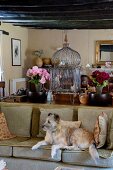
(61, 135)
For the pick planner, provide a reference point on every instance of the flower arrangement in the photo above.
(38, 75)
(99, 78)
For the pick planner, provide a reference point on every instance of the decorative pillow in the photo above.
(100, 130)
(4, 131)
(64, 113)
(110, 133)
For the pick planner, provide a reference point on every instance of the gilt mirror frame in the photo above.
(99, 43)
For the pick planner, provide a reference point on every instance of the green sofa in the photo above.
(24, 119)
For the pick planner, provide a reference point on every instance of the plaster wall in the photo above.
(82, 41)
(12, 72)
(47, 40)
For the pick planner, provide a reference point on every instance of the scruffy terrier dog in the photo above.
(62, 135)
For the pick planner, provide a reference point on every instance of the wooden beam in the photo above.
(68, 24)
(52, 8)
(49, 2)
(60, 14)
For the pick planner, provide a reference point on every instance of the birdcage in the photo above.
(66, 70)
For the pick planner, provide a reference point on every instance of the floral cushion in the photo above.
(100, 129)
(4, 130)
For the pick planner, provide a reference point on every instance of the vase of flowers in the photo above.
(98, 79)
(38, 77)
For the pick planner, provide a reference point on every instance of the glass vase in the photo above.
(99, 89)
(38, 87)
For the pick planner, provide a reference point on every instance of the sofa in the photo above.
(24, 120)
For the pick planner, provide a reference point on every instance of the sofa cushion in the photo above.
(6, 151)
(13, 141)
(75, 157)
(18, 119)
(23, 150)
(6, 145)
(4, 130)
(64, 113)
(100, 129)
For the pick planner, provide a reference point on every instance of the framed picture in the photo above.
(16, 52)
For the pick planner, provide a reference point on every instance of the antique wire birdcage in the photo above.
(66, 71)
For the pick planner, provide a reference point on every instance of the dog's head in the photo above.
(51, 122)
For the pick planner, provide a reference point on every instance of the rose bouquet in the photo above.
(99, 78)
(38, 75)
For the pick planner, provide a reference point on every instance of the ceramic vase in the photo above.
(83, 98)
(46, 61)
(37, 97)
(102, 99)
(39, 62)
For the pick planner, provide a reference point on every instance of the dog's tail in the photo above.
(93, 152)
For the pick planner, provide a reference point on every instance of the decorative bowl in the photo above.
(37, 97)
(102, 99)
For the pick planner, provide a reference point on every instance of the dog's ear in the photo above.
(56, 117)
(49, 114)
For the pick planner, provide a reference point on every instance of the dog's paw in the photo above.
(53, 154)
(54, 151)
(35, 147)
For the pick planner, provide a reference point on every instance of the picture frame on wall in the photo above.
(16, 52)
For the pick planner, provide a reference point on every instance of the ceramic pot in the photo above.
(39, 62)
(84, 81)
(46, 61)
(37, 97)
(102, 99)
(83, 98)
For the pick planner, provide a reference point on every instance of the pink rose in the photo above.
(42, 80)
(38, 75)
(29, 72)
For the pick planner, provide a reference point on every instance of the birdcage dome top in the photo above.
(66, 56)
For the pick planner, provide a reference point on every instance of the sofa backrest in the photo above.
(22, 120)
(88, 116)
